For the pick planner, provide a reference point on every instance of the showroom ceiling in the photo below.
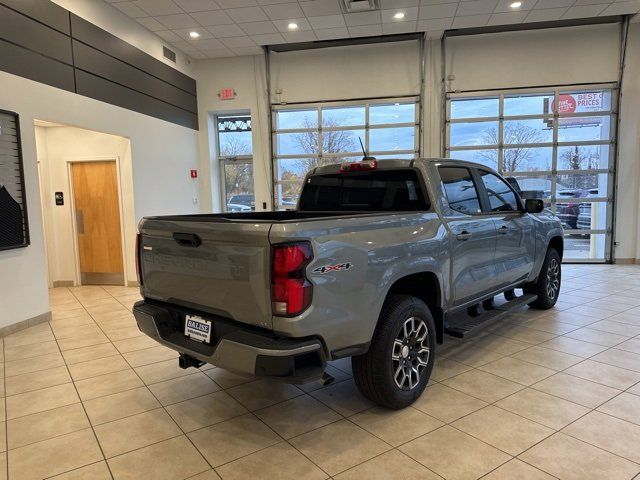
(228, 28)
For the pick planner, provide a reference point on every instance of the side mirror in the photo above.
(533, 205)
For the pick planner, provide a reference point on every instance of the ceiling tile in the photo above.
(546, 15)
(471, 21)
(283, 25)
(268, 39)
(272, 2)
(304, 36)
(622, 8)
(436, 2)
(197, 5)
(447, 10)
(476, 7)
(184, 46)
(507, 18)
(246, 14)
(235, 42)
(283, 11)
(236, 3)
(591, 2)
(180, 20)
(257, 28)
(327, 21)
(584, 11)
(244, 51)
(218, 53)
(158, 7)
(504, 6)
(435, 34)
(316, 8)
(365, 31)
(197, 55)
(130, 9)
(410, 14)
(208, 44)
(151, 24)
(332, 33)
(398, 27)
(221, 31)
(215, 17)
(434, 24)
(540, 4)
(184, 34)
(389, 4)
(362, 18)
(168, 35)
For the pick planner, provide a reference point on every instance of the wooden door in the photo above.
(97, 212)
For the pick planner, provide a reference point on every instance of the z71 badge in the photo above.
(333, 268)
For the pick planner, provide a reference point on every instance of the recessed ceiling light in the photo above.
(515, 5)
(293, 26)
(399, 16)
(194, 34)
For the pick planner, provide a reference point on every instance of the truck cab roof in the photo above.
(397, 163)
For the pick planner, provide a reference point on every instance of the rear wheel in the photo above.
(547, 287)
(396, 369)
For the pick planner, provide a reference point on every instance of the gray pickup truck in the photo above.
(378, 262)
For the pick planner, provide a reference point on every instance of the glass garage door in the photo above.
(556, 144)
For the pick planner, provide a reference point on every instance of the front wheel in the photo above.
(396, 369)
(547, 287)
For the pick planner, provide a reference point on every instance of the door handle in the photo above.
(503, 230)
(80, 222)
(463, 236)
(187, 239)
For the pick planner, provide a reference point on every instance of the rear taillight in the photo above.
(363, 166)
(290, 289)
(138, 258)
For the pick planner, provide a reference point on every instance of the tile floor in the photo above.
(538, 396)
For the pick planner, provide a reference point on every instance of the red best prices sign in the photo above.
(579, 103)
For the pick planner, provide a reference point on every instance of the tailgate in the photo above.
(216, 267)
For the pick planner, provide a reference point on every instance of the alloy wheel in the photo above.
(410, 354)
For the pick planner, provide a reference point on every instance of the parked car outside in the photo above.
(568, 212)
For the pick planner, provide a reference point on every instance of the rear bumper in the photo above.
(235, 348)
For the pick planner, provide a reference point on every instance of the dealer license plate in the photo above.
(197, 328)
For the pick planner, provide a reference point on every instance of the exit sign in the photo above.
(227, 94)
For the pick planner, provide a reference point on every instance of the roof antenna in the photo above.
(364, 153)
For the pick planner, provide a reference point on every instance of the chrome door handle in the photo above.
(503, 230)
(463, 236)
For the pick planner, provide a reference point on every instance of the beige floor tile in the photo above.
(588, 334)
(206, 410)
(53, 456)
(619, 358)
(551, 325)
(41, 400)
(296, 416)
(504, 430)
(624, 329)
(135, 343)
(547, 357)
(576, 389)
(119, 405)
(527, 335)
(447, 404)
(517, 470)
(625, 406)
(226, 379)
(35, 364)
(339, 446)
(339, 375)
(570, 459)
(37, 380)
(593, 312)
(76, 331)
(517, 370)
(483, 385)
(396, 426)
(183, 388)
(173, 459)
(444, 368)
(617, 436)
(85, 354)
(545, 409)
(473, 356)
(28, 351)
(448, 460)
(573, 346)
(389, 465)
(134, 432)
(79, 342)
(108, 384)
(74, 321)
(343, 397)
(499, 344)
(280, 461)
(635, 389)
(263, 393)
(232, 439)
(632, 345)
(608, 375)
(95, 471)
(100, 366)
(151, 355)
(161, 371)
(207, 475)
(567, 316)
(44, 425)
(124, 333)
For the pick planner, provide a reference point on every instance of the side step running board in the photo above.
(462, 325)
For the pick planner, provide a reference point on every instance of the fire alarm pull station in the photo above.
(194, 173)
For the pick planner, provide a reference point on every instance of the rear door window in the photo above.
(460, 190)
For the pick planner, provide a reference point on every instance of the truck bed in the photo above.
(261, 217)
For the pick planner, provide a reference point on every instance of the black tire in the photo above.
(375, 371)
(547, 287)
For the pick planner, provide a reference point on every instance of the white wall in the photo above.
(109, 18)
(56, 146)
(162, 155)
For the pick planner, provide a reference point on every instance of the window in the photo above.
(552, 144)
(501, 197)
(460, 190)
(391, 190)
(319, 134)
(235, 154)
